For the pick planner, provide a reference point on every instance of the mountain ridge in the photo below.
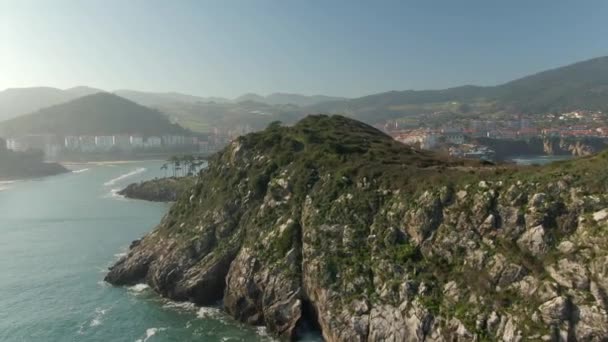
(580, 85)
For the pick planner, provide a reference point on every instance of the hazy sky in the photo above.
(349, 48)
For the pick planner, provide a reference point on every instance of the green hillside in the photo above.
(582, 85)
(96, 114)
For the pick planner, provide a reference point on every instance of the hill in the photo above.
(332, 224)
(582, 85)
(96, 114)
(19, 101)
(203, 117)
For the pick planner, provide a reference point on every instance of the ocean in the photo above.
(58, 235)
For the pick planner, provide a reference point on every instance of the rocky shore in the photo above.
(332, 224)
(159, 189)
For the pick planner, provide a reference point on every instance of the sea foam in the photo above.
(138, 288)
(125, 176)
(80, 171)
(149, 333)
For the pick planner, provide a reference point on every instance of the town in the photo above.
(461, 137)
(57, 147)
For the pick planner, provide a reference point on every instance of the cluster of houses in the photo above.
(429, 139)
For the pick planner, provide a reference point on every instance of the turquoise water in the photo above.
(58, 235)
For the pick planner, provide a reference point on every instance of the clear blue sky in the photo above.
(348, 48)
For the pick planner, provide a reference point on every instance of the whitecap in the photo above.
(120, 255)
(103, 283)
(98, 318)
(208, 312)
(138, 288)
(80, 171)
(188, 306)
(262, 331)
(149, 333)
(125, 176)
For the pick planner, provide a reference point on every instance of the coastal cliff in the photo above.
(332, 224)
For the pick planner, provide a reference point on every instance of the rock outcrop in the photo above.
(159, 189)
(334, 225)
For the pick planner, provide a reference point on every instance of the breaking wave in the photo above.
(125, 176)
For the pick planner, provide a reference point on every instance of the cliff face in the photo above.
(330, 223)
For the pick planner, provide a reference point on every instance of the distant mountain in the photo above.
(582, 85)
(157, 99)
(97, 114)
(288, 99)
(19, 101)
(248, 114)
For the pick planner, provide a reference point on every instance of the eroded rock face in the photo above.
(283, 238)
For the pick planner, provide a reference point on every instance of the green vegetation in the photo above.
(364, 225)
(181, 166)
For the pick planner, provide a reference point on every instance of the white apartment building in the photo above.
(137, 141)
(104, 142)
(153, 142)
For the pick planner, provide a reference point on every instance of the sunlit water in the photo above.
(58, 235)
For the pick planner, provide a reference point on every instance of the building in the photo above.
(453, 136)
(16, 144)
(153, 142)
(104, 142)
(87, 143)
(424, 139)
(174, 140)
(137, 141)
(122, 142)
(71, 143)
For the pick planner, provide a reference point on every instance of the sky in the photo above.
(333, 47)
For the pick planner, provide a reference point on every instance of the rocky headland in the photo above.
(26, 165)
(332, 224)
(159, 189)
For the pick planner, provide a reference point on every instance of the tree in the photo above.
(174, 160)
(164, 168)
(190, 164)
